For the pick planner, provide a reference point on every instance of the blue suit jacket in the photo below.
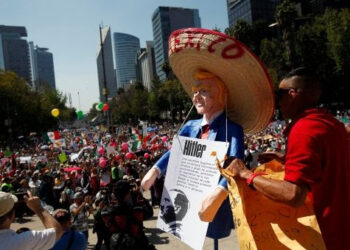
(222, 224)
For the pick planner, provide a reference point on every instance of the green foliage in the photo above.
(285, 16)
(338, 34)
(242, 31)
(26, 110)
(319, 42)
(135, 103)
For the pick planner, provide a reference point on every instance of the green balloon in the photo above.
(100, 106)
(80, 114)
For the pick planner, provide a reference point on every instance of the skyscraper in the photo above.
(125, 48)
(43, 72)
(14, 52)
(164, 21)
(146, 63)
(105, 68)
(251, 10)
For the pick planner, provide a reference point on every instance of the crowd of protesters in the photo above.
(97, 172)
(92, 173)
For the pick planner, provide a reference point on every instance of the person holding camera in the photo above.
(81, 209)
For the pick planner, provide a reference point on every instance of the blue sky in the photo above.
(69, 28)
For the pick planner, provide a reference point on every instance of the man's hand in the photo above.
(48, 221)
(237, 169)
(269, 156)
(33, 202)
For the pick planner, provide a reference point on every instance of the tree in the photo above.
(26, 110)
(285, 16)
(176, 98)
(242, 31)
(167, 70)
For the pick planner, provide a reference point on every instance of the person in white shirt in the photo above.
(30, 240)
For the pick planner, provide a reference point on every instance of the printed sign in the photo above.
(191, 176)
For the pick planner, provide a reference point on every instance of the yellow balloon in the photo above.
(55, 112)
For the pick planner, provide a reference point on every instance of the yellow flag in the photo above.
(262, 223)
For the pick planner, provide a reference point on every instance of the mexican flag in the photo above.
(151, 136)
(55, 135)
(137, 138)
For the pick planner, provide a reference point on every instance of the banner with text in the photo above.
(191, 176)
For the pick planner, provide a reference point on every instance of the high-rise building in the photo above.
(43, 72)
(125, 48)
(14, 52)
(164, 21)
(251, 10)
(105, 68)
(146, 64)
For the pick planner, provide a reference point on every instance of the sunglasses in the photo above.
(282, 91)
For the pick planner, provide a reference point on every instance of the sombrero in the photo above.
(251, 95)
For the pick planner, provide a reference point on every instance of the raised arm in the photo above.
(47, 219)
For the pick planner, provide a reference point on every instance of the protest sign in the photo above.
(25, 159)
(110, 150)
(60, 143)
(262, 223)
(62, 157)
(191, 176)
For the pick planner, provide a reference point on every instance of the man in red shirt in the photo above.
(316, 160)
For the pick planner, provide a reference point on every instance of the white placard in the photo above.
(60, 143)
(25, 159)
(110, 150)
(191, 176)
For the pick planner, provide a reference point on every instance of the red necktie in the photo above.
(205, 132)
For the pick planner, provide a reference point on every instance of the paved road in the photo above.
(161, 240)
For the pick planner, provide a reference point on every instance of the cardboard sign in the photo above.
(191, 176)
(262, 223)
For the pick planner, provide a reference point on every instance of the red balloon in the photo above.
(102, 162)
(146, 155)
(105, 107)
(128, 155)
(125, 146)
(101, 151)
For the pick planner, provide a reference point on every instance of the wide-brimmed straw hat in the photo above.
(251, 95)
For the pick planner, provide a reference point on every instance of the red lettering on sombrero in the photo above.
(180, 42)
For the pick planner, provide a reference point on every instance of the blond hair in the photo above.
(223, 91)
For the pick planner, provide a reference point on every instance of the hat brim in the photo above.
(251, 95)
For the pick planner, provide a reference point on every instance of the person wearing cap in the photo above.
(316, 162)
(70, 239)
(30, 240)
(230, 88)
(81, 209)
